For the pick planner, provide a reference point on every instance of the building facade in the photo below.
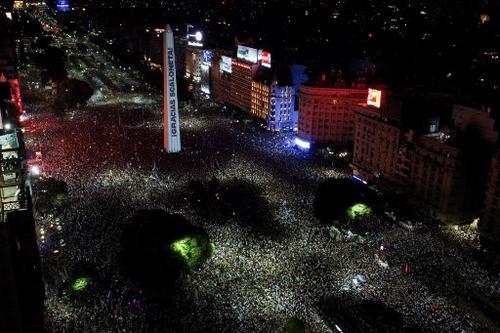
(376, 144)
(21, 285)
(194, 61)
(437, 178)
(442, 168)
(326, 114)
(220, 77)
(241, 84)
(489, 224)
(275, 104)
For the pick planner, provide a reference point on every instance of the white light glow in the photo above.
(302, 143)
(35, 170)
(23, 117)
(198, 36)
(360, 179)
(195, 44)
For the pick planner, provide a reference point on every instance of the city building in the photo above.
(450, 166)
(220, 77)
(326, 111)
(376, 140)
(196, 57)
(194, 60)
(437, 178)
(242, 75)
(442, 165)
(21, 286)
(9, 83)
(274, 102)
(489, 224)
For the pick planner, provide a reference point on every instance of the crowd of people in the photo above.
(255, 281)
(109, 154)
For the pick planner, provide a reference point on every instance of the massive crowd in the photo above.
(109, 153)
(255, 281)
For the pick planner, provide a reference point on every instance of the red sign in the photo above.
(266, 59)
(374, 97)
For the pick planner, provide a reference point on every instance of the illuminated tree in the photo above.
(358, 210)
(192, 249)
(80, 284)
(158, 246)
(336, 199)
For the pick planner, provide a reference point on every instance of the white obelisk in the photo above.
(171, 131)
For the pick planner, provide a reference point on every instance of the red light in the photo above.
(239, 64)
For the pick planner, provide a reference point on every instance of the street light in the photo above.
(35, 170)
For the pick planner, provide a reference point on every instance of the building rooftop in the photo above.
(282, 75)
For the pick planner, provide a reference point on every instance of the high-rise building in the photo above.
(442, 167)
(8, 76)
(21, 286)
(274, 102)
(242, 75)
(450, 166)
(194, 60)
(326, 111)
(221, 76)
(376, 139)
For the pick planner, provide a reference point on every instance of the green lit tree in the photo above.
(193, 249)
(158, 247)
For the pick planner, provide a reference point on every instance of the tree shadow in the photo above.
(335, 196)
(361, 316)
(147, 254)
(233, 200)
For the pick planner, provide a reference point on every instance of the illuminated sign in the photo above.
(195, 39)
(62, 5)
(197, 44)
(171, 131)
(207, 57)
(198, 36)
(205, 78)
(247, 53)
(374, 97)
(266, 59)
(226, 64)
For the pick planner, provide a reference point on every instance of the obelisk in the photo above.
(171, 131)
